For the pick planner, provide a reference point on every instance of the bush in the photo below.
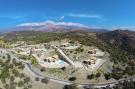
(117, 76)
(12, 78)
(108, 76)
(36, 79)
(63, 68)
(90, 76)
(21, 75)
(20, 83)
(27, 79)
(72, 86)
(3, 57)
(97, 75)
(8, 56)
(72, 78)
(42, 69)
(44, 80)
(15, 72)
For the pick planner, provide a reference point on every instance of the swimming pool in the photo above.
(60, 62)
(44, 49)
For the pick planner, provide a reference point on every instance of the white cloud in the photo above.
(85, 16)
(62, 18)
(53, 23)
(123, 27)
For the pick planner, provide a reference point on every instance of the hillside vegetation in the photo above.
(119, 43)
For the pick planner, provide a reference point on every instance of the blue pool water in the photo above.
(44, 49)
(60, 62)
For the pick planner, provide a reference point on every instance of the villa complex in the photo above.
(56, 55)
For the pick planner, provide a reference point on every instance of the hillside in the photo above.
(124, 40)
(115, 42)
(119, 43)
(30, 35)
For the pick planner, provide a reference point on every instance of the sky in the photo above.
(93, 13)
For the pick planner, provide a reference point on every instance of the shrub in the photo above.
(44, 80)
(90, 76)
(72, 78)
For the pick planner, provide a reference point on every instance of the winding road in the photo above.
(40, 75)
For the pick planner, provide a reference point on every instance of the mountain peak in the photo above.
(51, 26)
(53, 23)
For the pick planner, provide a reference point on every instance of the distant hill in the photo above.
(119, 43)
(123, 39)
(50, 26)
(30, 35)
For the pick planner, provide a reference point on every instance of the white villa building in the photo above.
(70, 45)
(58, 58)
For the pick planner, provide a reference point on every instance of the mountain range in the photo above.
(51, 26)
(119, 43)
(45, 31)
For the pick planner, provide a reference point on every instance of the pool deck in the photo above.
(50, 65)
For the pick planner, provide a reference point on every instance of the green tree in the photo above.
(6, 86)
(72, 79)
(90, 76)
(36, 79)
(44, 80)
(97, 75)
(72, 86)
(21, 75)
(27, 79)
(15, 72)
(108, 76)
(20, 84)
